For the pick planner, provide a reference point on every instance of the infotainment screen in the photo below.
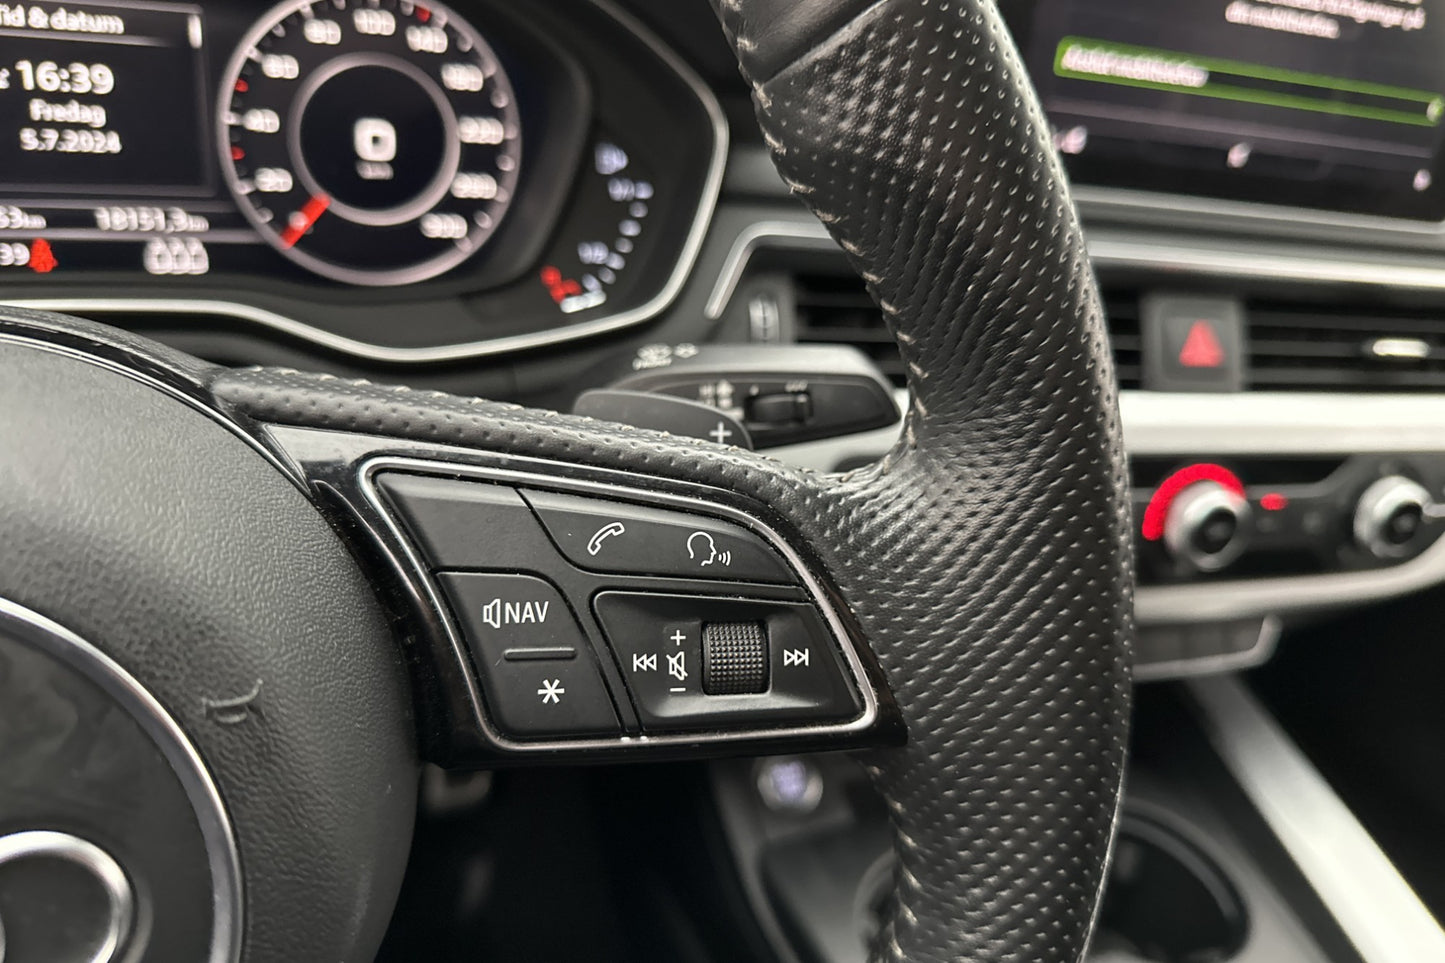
(1331, 104)
(98, 97)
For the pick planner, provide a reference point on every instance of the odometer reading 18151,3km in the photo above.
(371, 141)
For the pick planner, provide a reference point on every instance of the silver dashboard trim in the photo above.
(804, 232)
(1375, 907)
(417, 573)
(1257, 654)
(215, 825)
(1280, 423)
(1237, 424)
(1115, 199)
(1247, 423)
(40, 843)
(687, 257)
(1219, 262)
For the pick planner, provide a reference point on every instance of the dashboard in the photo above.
(498, 173)
(363, 183)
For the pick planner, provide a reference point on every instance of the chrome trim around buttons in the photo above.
(1378, 505)
(54, 639)
(42, 844)
(1191, 508)
(687, 256)
(1372, 903)
(1283, 423)
(420, 575)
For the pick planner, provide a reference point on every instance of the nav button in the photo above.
(538, 674)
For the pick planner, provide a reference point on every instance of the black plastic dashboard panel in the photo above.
(580, 251)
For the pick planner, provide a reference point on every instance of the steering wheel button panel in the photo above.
(581, 612)
(658, 642)
(537, 669)
(618, 537)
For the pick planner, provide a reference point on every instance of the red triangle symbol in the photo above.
(1201, 348)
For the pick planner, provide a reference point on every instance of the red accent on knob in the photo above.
(1169, 489)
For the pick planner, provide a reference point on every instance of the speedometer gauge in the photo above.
(371, 141)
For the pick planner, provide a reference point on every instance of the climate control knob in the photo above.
(1389, 515)
(1205, 525)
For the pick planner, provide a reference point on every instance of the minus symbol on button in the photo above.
(677, 688)
(540, 653)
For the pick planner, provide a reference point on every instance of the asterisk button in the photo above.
(551, 691)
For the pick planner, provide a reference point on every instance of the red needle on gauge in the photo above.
(302, 220)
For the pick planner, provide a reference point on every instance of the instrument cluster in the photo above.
(501, 174)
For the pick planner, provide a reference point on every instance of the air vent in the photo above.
(834, 308)
(1121, 308)
(1299, 347)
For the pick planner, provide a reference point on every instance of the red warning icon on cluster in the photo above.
(42, 258)
(1201, 347)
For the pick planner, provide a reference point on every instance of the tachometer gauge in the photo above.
(372, 142)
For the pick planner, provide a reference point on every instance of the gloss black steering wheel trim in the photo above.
(984, 563)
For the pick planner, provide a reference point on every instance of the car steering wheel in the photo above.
(196, 629)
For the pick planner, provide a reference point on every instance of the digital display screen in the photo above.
(1331, 104)
(102, 98)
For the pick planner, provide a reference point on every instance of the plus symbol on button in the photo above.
(678, 638)
(721, 433)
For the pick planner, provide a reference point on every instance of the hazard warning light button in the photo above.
(1192, 343)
